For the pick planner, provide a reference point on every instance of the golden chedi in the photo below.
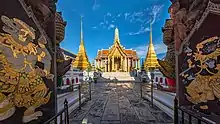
(151, 62)
(81, 62)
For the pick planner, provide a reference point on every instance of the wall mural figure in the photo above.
(21, 82)
(202, 73)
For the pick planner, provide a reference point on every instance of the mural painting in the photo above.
(21, 82)
(199, 74)
(26, 68)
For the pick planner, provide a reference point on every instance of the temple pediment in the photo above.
(117, 50)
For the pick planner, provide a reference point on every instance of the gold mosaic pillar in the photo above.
(108, 69)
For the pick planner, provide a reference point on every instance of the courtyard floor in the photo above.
(118, 103)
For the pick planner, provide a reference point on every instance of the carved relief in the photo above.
(62, 65)
(21, 82)
(185, 15)
(167, 66)
(43, 10)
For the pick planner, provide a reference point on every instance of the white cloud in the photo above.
(111, 26)
(119, 15)
(159, 49)
(95, 6)
(94, 27)
(109, 14)
(137, 17)
(155, 11)
(126, 15)
(101, 23)
(141, 31)
(138, 13)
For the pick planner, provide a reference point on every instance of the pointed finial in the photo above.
(116, 35)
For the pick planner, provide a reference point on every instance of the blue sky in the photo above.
(132, 17)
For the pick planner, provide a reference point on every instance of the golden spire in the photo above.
(116, 35)
(151, 57)
(151, 36)
(81, 30)
(81, 62)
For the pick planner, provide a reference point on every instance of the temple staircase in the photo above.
(120, 76)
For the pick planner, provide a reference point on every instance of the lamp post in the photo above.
(79, 89)
(89, 81)
(90, 89)
(95, 76)
(152, 85)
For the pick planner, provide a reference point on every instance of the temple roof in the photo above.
(128, 52)
(104, 53)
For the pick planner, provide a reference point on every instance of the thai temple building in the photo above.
(151, 62)
(81, 62)
(117, 58)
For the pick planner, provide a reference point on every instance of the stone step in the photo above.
(120, 76)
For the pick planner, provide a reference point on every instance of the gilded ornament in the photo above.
(20, 79)
(205, 86)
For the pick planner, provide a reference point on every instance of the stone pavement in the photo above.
(118, 103)
(163, 100)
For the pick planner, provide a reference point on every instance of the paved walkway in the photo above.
(118, 103)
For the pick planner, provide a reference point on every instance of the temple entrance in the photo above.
(117, 64)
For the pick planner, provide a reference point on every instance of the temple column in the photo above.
(108, 70)
(136, 65)
(125, 64)
(129, 64)
(106, 65)
(139, 63)
(101, 63)
(121, 66)
(113, 63)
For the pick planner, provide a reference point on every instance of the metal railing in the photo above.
(180, 113)
(67, 89)
(62, 117)
(64, 111)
